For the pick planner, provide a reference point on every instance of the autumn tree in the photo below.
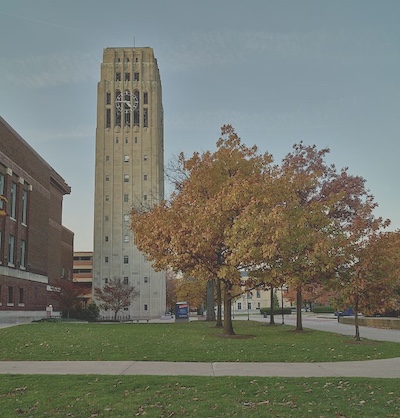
(191, 290)
(190, 232)
(67, 295)
(368, 282)
(116, 295)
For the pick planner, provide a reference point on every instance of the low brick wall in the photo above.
(388, 323)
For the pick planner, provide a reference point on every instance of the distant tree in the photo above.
(67, 294)
(115, 295)
(191, 290)
(369, 282)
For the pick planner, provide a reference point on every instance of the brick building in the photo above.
(35, 249)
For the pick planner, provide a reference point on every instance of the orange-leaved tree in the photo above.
(190, 233)
(369, 281)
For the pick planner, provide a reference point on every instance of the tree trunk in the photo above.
(356, 323)
(219, 305)
(210, 300)
(271, 318)
(228, 326)
(299, 302)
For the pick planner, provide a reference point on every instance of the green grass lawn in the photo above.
(186, 396)
(193, 341)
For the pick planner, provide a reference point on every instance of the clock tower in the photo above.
(129, 173)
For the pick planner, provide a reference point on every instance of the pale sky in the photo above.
(324, 72)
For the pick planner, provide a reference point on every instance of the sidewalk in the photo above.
(387, 368)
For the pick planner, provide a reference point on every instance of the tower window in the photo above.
(107, 177)
(108, 98)
(146, 279)
(126, 259)
(106, 238)
(108, 118)
(145, 157)
(126, 217)
(107, 158)
(126, 178)
(145, 117)
(106, 259)
(126, 198)
(127, 77)
(145, 177)
(107, 197)
(126, 280)
(126, 158)
(145, 197)
(136, 76)
(117, 76)
(126, 238)
(145, 98)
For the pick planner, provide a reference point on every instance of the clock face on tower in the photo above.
(124, 102)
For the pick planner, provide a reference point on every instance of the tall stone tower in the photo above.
(129, 172)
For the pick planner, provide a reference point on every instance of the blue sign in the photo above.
(181, 310)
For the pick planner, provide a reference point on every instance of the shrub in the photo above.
(323, 309)
(277, 311)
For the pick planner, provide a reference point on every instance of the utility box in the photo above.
(181, 311)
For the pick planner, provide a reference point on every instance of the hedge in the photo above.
(323, 309)
(277, 311)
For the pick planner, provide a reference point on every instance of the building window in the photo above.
(145, 197)
(1, 248)
(145, 98)
(108, 118)
(126, 217)
(136, 76)
(126, 280)
(126, 178)
(145, 118)
(13, 203)
(11, 242)
(1, 190)
(248, 305)
(22, 261)
(126, 198)
(258, 294)
(10, 299)
(126, 158)
(127, 119)
(107, 158)
(21, 296)
(126, 259)
(108, 98)
(24, 218)
(145, 157)
(117, 76)
(107, 177)
(106, 218)
(239, 305)
(135, 139)
(106, 259)
(126, 140)
(145, 177)
(116, 140)
(105, 280)
(127, 77)
(145, 307)
(145, 279)
(106, 238)
(126, 238)
(107, 197)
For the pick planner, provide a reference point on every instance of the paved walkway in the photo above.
(386, 368)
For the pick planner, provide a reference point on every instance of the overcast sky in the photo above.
(324, 72)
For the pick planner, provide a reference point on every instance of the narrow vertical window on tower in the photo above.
(108, 118)
(136, 76)
(136, 112)
(108, 98)
(145, 98)
(145, 117)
